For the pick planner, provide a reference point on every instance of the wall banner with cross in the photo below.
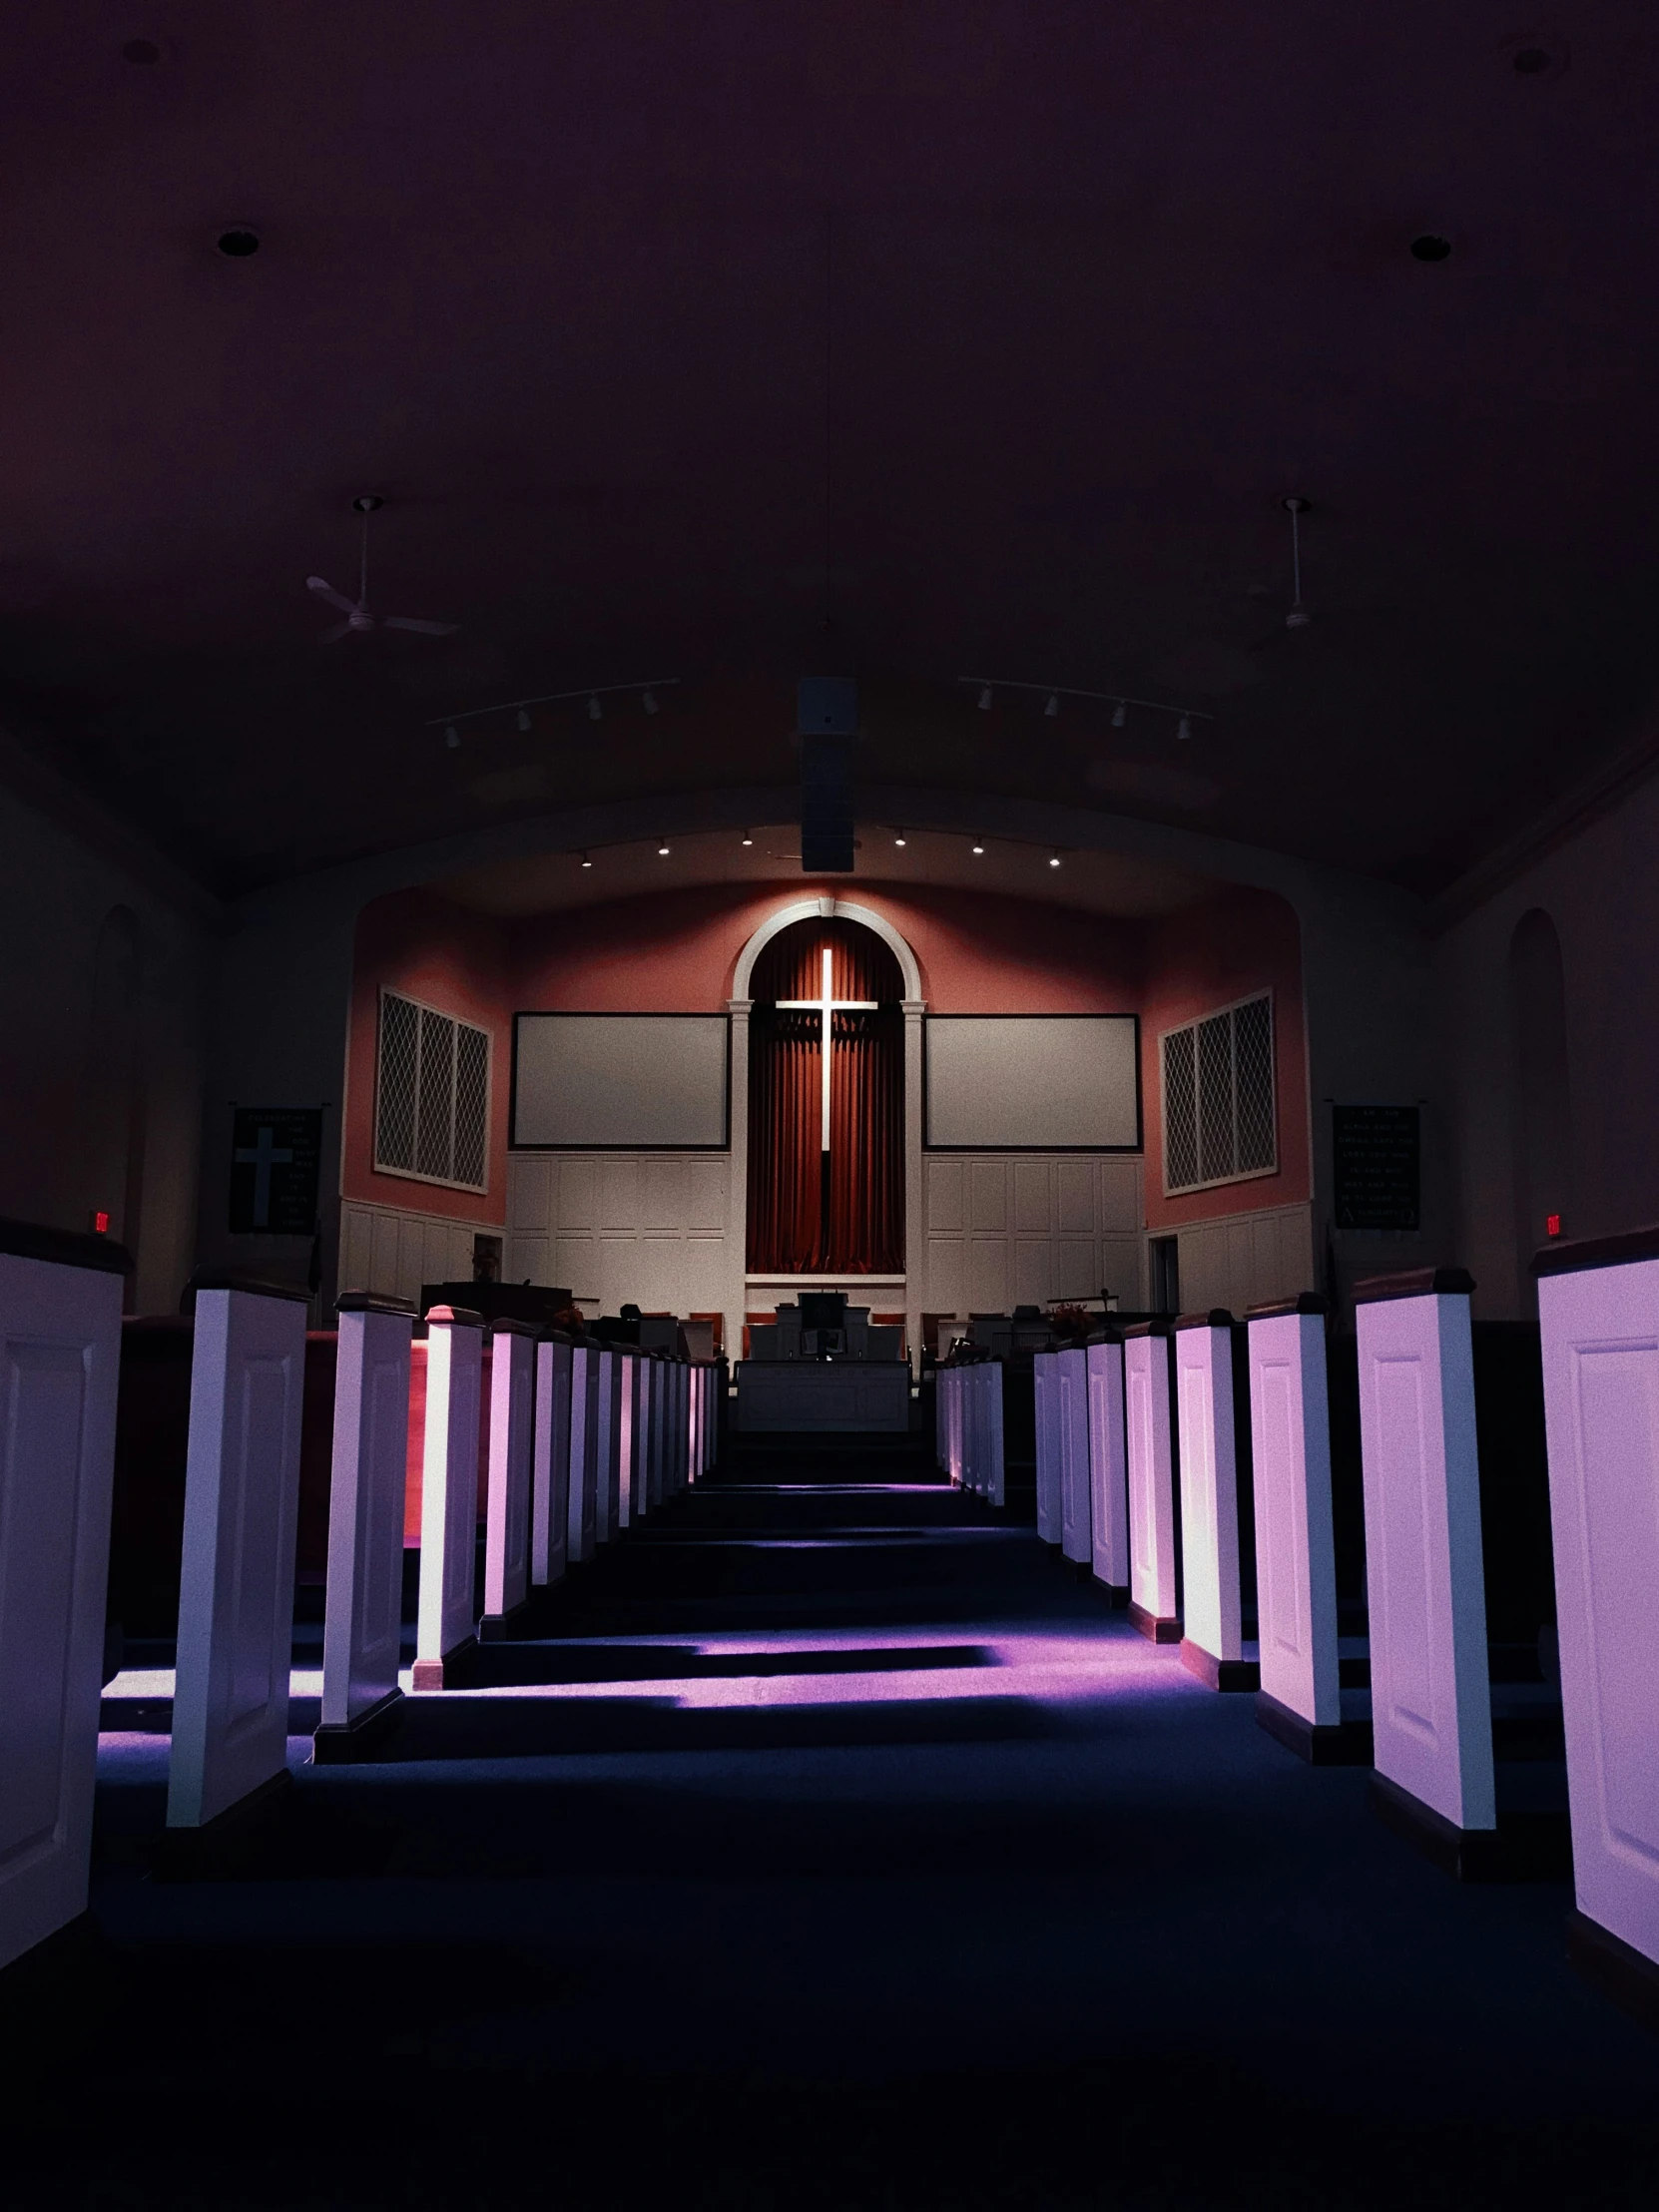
(275, 1153)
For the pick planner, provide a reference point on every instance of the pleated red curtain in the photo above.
(849, 1219)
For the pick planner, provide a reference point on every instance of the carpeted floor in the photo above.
(829, 1845)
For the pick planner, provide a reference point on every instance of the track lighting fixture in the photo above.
(586, 862)
(1054, 859)
(1184, 728)
(452, 738)
(1120, 701)
(976, 849)
(519, 708)
(986, 700)
(662, 853)
(747, 838)
(899, 838)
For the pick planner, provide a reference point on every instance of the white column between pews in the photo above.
(1299, 1701)
(507, 1501)
(663, 1407)
(694, 1387)
(550, 1460)
(1212, 1646)
(584, 1452)
(1108, 1466)
(1045, 1396)
(60, 1358)
(627, 1360)
(1076, 1504)
(1431, 1690)
(644, 1436)
(241, 1509)
(607, 1508)
(446, 1625)
(363, 1623)
(996, 1483)
(1153, 1593)
(1598, 1309)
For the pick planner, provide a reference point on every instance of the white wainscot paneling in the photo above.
(614, 1227)
(1007, 1229)
(1246, 1259)
(393, 1252)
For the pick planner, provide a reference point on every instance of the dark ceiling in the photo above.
(995, 333)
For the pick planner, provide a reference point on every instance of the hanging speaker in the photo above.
(826, 806)
(826, 721)
(827, 707)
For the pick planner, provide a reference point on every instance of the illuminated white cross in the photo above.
(828, 1007)
(262, 1157)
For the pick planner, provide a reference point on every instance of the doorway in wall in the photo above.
(1164, 1256)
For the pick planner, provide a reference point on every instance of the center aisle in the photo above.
(827, 1842)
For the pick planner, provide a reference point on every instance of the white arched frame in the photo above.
(903, 1290)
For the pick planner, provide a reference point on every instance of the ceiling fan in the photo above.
(1299, 615)
(1347, 634)
(356, 610)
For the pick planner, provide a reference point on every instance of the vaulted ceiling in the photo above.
(912, 339)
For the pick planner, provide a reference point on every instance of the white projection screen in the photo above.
(647, 1082)
(1033, 1083)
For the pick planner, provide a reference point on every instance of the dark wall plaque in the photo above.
(275, 1153)
(1378, 1154)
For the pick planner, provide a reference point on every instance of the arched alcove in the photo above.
(115, 1075)
(826, 1166)
(1543, 1153)
(890, 967)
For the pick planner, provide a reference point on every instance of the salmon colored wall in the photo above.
(1207, 957)
(676, 954)
(978, 955)
(455, 961)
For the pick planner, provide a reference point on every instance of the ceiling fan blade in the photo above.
(423, 629)
(326, 590)
(333, 636)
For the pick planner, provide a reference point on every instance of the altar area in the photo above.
(821, 1363)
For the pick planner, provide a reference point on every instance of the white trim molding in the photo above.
(827, 909)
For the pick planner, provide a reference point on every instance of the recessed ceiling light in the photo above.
(1537, 55)
(144, 51)
(238, 243)
(1430, 249)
